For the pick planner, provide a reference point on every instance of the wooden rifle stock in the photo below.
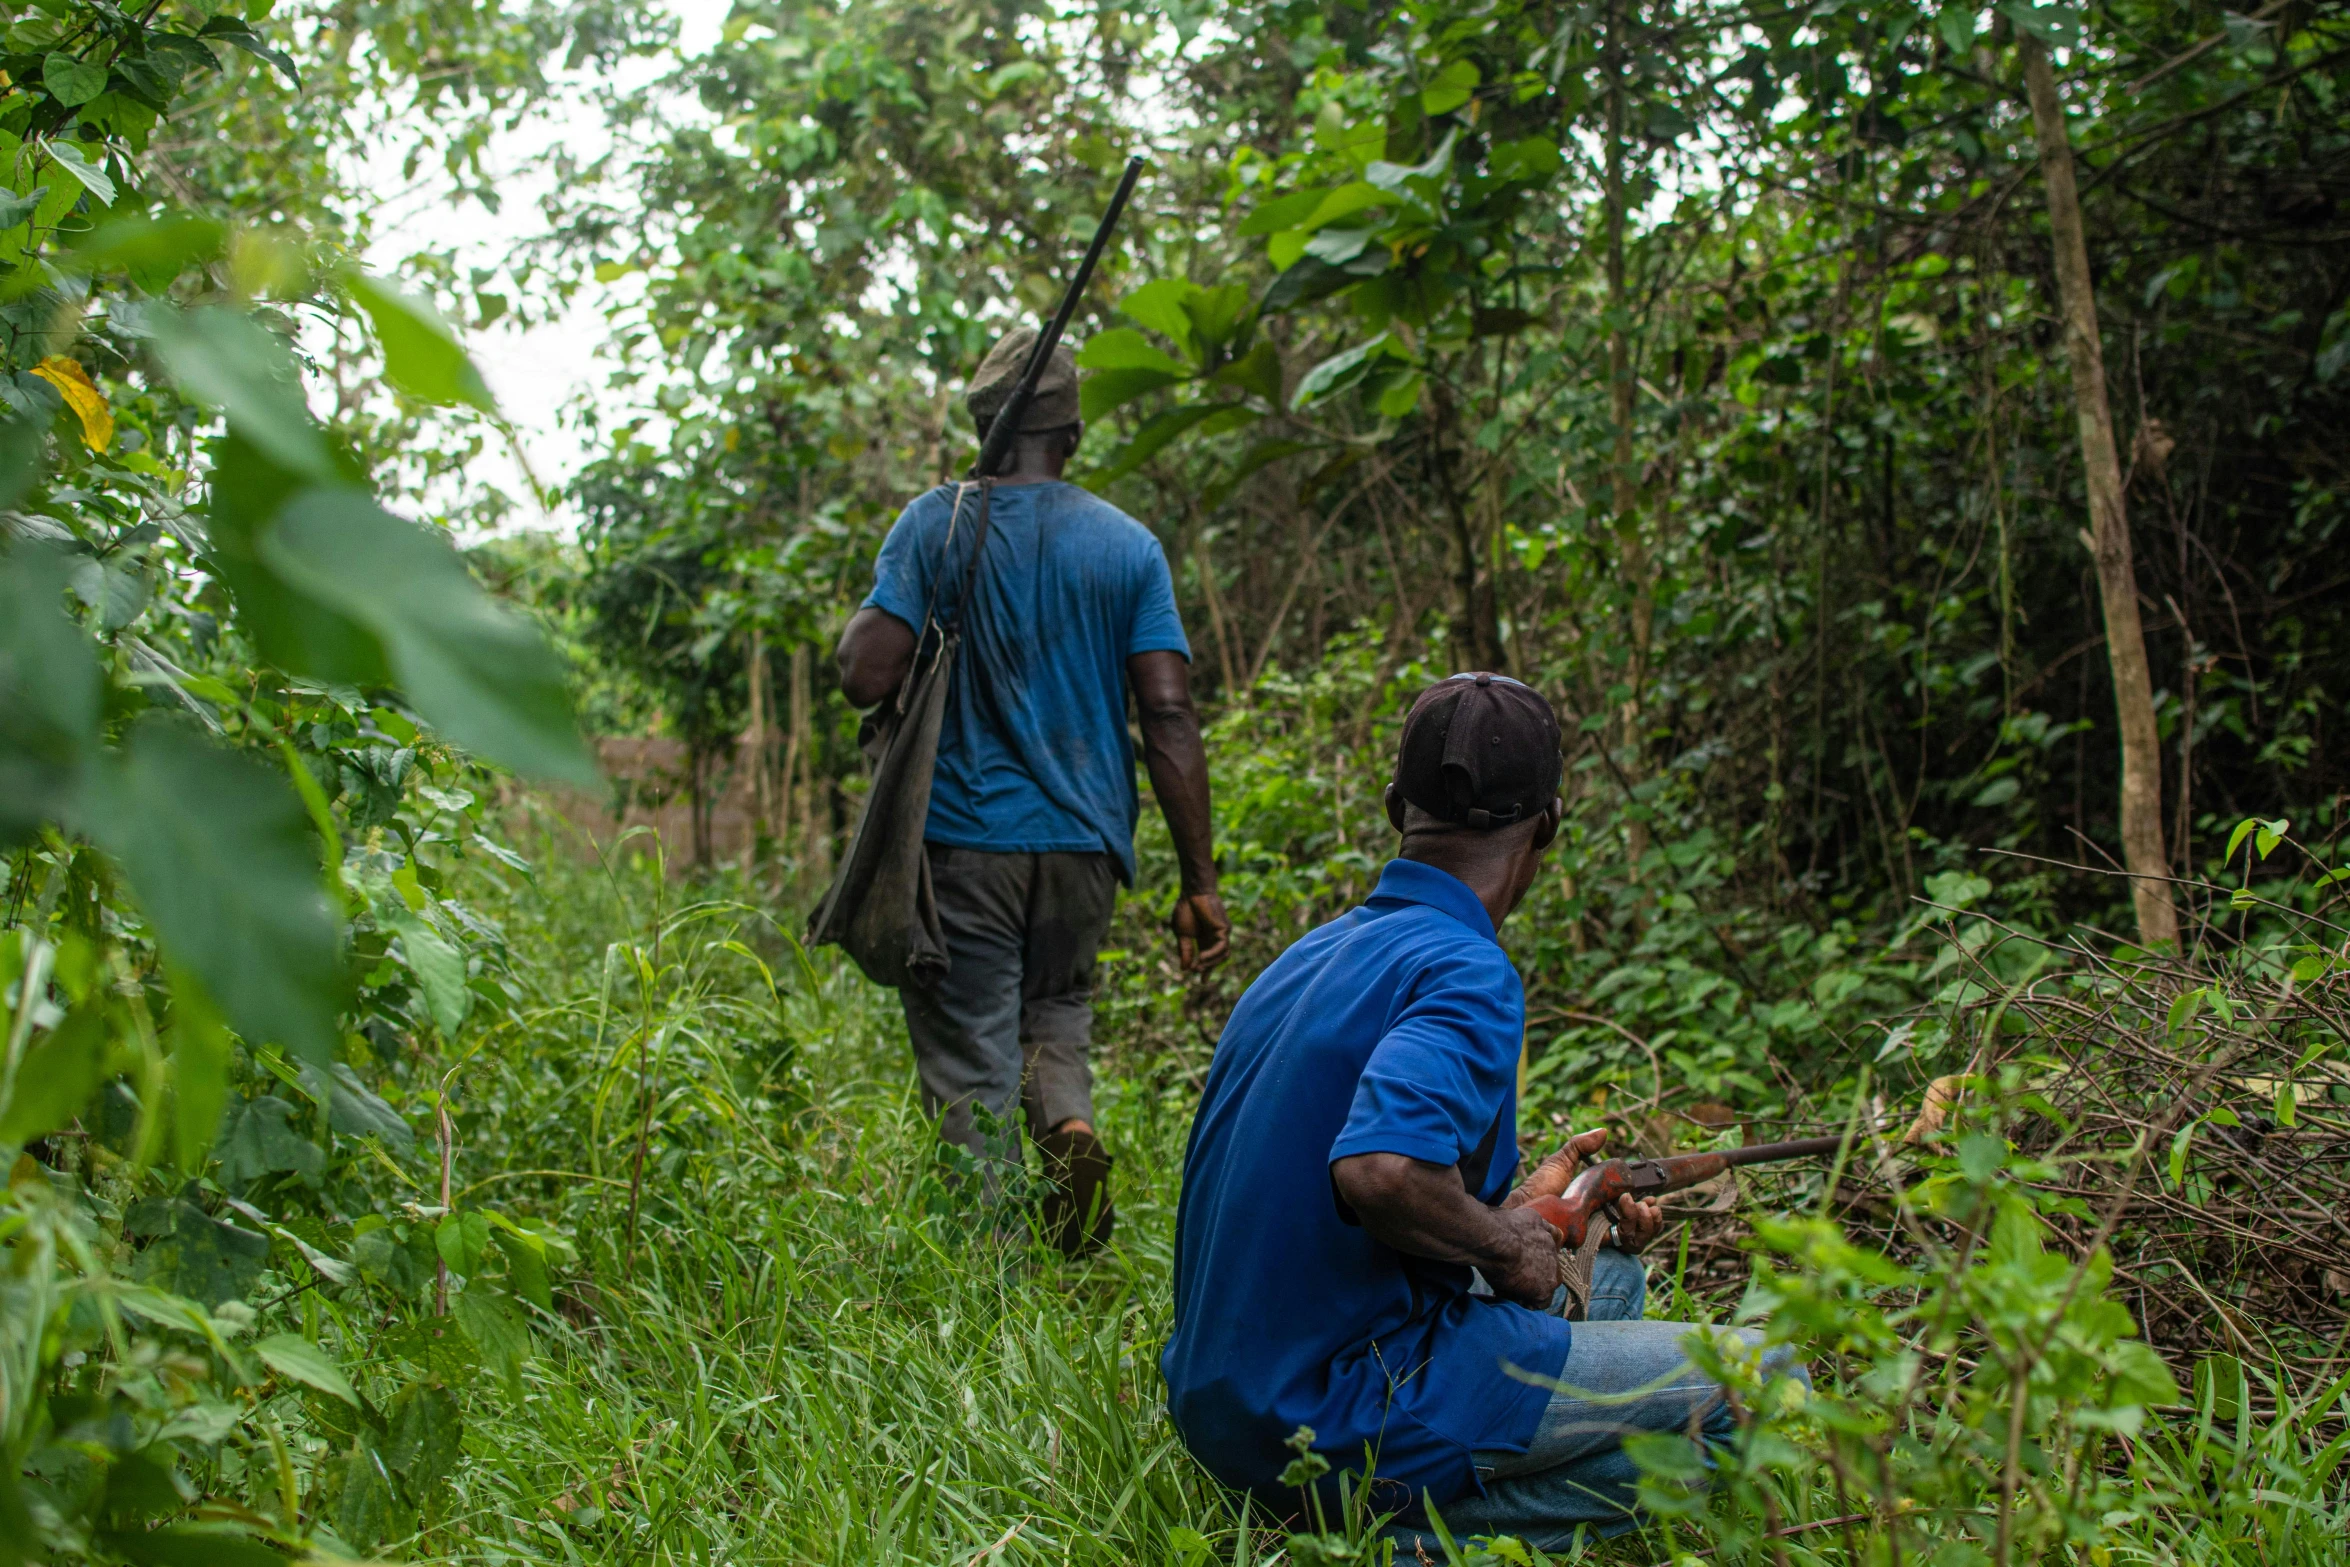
(1595, 1190)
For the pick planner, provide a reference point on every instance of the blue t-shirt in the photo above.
(1033, 754)
(1393, 1029)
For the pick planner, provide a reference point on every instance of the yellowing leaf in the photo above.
(87, 402)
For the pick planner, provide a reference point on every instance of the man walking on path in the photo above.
(1033, 803)
(1350, 1255)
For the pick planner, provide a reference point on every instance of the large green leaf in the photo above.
(481, 673)
(1338, 371)
(218, 850)
(57, 1077)
(422, 357)
(231, 362)
(1123, 348)
(1282, 212)
(1209, 418)
(257, 1139)
(427, 1435)
(49, 689)
(1106, 390)
(296, 632)
(297, 1359)
(498, 1332)
(1159, 305)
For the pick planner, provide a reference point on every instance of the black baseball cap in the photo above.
(1481, 751)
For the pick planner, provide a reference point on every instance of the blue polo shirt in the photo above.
(1393, 1029)
(1033, 753)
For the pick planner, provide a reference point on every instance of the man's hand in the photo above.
(1639, 1221)
(1522, 1263)
(1203, 931)
(1551, 1176)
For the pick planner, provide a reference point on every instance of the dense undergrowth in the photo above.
(773, 1328)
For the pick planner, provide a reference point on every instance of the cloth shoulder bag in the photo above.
(880, 908)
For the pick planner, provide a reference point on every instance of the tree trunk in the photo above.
(1624, 497)
(2117, 580)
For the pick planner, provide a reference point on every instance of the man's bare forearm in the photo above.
(1423, 1209)
(1178, 762)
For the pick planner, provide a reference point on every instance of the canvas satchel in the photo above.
(880, 908)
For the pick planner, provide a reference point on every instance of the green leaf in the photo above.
(1531, 159)
(70, 81)
(526, 1267)
(463, 1239)
(2185, 1006)
(218, 850)
(57, 1076)
(228, 361)
(90, 176)
(1123, 348)
(152, 250)
(1302, 283)
(369, 1509)
(1107, 390)
(1282, 212)
(237, 33)
(298, 1360)
(206, 1259)
(2179, 1144)
(422, 357)
(1154, 436)
(1956, 23)
(49, 693)
(294, 630)
(1452, 86)
(1216, 313)
(2244, 830)
(1257, 372)
(477, 670)
(17, 210)
(440, 972)
(1159, 306)
(258, 1139)
(190, 1545)
(2288, 1106)
(427, 1435)
(497, 1331)
(1337, 372)
(201, 1058)
(1345, 202)
(355, 1111)
(2269, 834)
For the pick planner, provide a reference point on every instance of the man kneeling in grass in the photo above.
(1350, 1254)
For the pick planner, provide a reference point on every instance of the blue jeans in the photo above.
(1623, 1375)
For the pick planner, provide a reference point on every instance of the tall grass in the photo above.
(814, 1348)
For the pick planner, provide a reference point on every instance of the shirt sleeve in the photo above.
(1156, 626)
(901, 575)
(1439, 1080)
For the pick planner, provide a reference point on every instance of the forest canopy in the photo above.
(1902, 441)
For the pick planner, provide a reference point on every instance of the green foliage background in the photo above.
(392, 1173)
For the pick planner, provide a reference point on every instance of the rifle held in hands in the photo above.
(1593, 1193)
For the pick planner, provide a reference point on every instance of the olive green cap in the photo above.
(1055, 402)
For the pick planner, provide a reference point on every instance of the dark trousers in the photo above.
(1013, 1018)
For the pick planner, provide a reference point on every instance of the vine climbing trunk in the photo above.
(2109, 535)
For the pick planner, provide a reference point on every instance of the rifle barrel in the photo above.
(1801, 1148)
(1008, 418)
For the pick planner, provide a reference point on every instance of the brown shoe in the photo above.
(1077, 1211)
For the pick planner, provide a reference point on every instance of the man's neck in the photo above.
(1492, 878)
